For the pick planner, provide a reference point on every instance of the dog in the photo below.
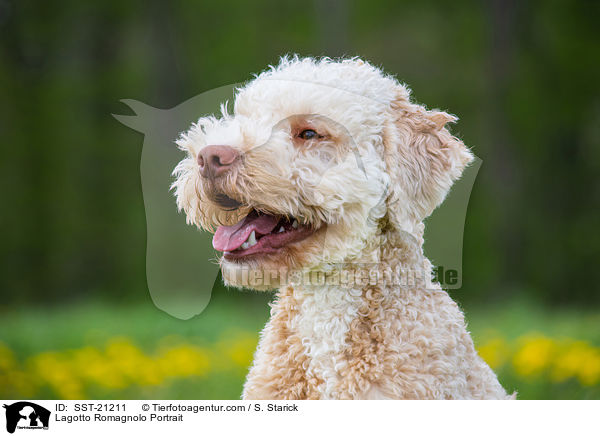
(326, 168)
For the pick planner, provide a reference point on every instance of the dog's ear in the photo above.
(422, 158)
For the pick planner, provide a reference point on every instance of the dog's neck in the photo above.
(393, 260)
(327, 317)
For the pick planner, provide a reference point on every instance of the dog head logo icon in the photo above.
(26, 415)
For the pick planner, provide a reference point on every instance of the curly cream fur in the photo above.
(383, 166)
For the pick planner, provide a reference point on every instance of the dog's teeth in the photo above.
(245, 245)
(281, 230)
(251, 239)
(295, 224)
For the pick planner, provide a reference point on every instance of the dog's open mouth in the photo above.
(259, 233)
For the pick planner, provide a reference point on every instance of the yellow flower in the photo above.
(184, 361)
(122, 364)
(21, 383)
(589, 371)
(95, 368)
(568, 361)
(237, 349)
(56, 370)
(7, 358)
(495, 352)
(129, 362)
(534, 355)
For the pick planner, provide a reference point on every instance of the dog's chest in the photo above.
(323, 320)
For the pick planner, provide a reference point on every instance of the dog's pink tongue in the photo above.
(229, 238)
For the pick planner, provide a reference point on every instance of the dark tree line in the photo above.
(522, 76)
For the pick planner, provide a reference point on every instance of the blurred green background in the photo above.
(76, 320)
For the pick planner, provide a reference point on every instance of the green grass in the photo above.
(29, 331)
(515, 319)
(512, 319)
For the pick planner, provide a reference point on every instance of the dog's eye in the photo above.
(308, 134)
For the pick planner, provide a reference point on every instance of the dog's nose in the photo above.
(216, 160)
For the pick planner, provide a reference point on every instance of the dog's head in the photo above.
(317, 161)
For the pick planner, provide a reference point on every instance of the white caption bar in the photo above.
(285, 418)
